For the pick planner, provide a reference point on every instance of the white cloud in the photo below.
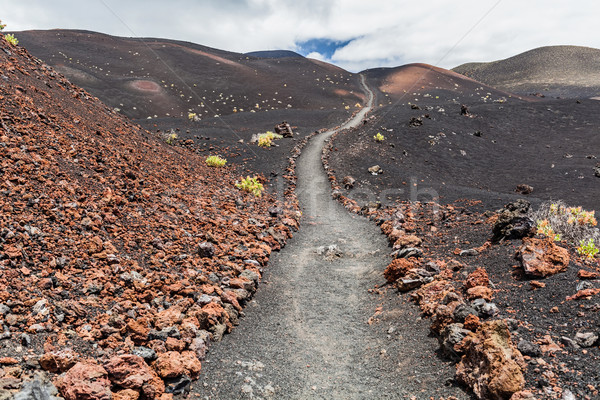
(384, 32)
(316, 56)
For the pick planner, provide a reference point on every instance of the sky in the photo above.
(353, 34)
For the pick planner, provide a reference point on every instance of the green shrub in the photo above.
(575, 225)
(266, 139)
(2, 26)
(171, 139)
(250, 185)
(10, 38)
(379, 137)
(587, 249)
(215, 161)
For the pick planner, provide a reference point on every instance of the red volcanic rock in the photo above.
(126, 394)
(85, 381)
(169, 317)
(58, 361)
(398, 268)
(191, 364)
(129, 371)
(472, 322)
(407, 241)
(169, 365)
(139, 329)
(583, 274)
(173, 344)
(492, 366)
(479, 277)
(537, 284)
(584, 293)
(542, 257)
(523, 395)
(480, 292)
(173, 364)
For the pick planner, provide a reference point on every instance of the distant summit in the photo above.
(553, 71)
(275, 54)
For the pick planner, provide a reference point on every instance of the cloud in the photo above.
(316, 56)
(369, 33)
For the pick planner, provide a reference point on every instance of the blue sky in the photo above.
(321, 47)
(350, 33)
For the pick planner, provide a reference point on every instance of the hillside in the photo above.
(165, 78)
(553, 71)
(234, 96)
(414, 83)
(274, 54)
(113, 242)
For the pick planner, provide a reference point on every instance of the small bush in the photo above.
(250, 185)
(10, 38)
(544, 228)
(379, 137)
(266, 139)
(171, 138)
(215, 161)
(573, 224)
(587, 249)
(2, 26)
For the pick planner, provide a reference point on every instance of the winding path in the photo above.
(305, 334)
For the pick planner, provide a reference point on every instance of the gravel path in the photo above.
(305, 334)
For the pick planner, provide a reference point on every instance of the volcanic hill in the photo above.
(450, 137)
(211, 97)
(552, 71)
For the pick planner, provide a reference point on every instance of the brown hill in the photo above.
(110, 239)
(409, 82)
(557, 71)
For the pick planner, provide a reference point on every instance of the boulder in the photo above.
(206, 250)
(36, 389)
(449, 337)
(58, 361)
(512, 222)
(173, 364)
(407, 241)
(85, 381)
(398, 268)
(542, 257)
(169, 317)
(480, 292)
(131, 372)
(529, 348)
(126, 394)
(479, 277)
(492, 366)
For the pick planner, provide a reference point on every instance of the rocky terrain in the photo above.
(515, 310)
(123, 255)
(552, 71)
(451, 138)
